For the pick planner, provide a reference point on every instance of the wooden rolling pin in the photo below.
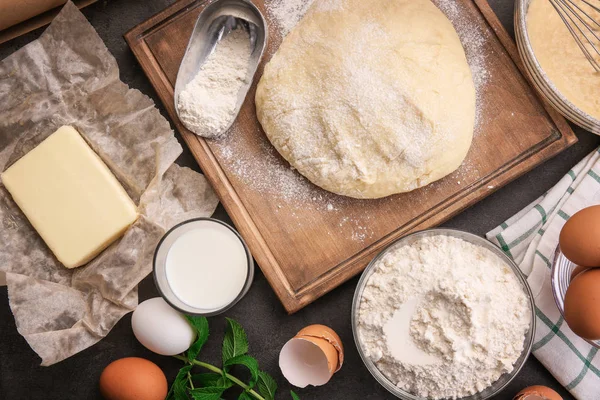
(14, 11)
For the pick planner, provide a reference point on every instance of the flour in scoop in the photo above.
(208, 103)
(443, 318)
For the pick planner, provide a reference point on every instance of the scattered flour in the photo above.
(287, 13)
(473, 39)
(207, 104)
(469, 317)
(264, 171)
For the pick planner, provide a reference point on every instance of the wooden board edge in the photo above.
(134, 35)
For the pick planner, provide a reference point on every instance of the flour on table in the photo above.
(207, 104)
(469, 317)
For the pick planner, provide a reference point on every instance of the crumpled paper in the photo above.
(68, 77)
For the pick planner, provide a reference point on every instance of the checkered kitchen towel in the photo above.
(530, 238)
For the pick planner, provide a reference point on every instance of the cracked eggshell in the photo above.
(328, 334)
(537, 392)
(312, 356)
(306, 361)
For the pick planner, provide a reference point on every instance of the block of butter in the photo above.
(70, 197)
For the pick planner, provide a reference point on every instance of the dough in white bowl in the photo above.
(367, 98)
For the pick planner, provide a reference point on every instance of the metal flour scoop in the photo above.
(214, 23)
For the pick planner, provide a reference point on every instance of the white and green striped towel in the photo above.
(530, 238)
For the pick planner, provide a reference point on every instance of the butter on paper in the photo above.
(68, 77)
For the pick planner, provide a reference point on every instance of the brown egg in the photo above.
(582, 304)
(580, 237)
(537, 392)
(133, 378)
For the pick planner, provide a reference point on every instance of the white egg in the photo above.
(160, 328)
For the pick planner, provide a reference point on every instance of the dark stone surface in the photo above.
(259, 312)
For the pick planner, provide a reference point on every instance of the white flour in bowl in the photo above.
(443, 318)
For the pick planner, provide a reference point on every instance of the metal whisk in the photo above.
(576, 14)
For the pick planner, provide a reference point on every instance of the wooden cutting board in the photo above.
(308, 241)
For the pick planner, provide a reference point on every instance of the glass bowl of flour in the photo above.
(443, 314)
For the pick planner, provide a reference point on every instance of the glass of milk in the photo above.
(202, 267)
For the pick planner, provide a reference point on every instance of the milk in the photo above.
(207, 266)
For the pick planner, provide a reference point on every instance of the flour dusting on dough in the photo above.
(358, 98)
(285, 14)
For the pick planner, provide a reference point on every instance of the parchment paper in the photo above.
(68, 77)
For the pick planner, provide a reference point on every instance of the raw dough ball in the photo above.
(367, 98)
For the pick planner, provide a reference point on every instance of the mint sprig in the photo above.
(235, 342)
(247, 361)
(211, 385)
(266, 386)
(200, 325)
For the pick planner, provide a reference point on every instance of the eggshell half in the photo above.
(537, 392)
(325, 332)
(306, 361)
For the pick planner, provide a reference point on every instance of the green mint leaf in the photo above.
(266, 385)
(245, 396)
(211, 379)
(200, 325)
(207, 393)
(294, 395)
(178, 389)
(235, 342)
(247, 361)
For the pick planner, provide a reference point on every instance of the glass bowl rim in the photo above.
(540, 79)
(471, 238)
